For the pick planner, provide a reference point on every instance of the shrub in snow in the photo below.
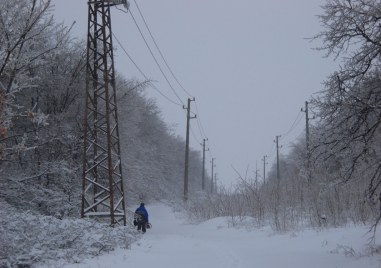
(29, 239)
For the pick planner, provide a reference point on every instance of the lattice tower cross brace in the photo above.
(102, 181)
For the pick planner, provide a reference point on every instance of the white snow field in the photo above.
(171, 243)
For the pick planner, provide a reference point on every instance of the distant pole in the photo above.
(264, 169)
(277, 158)
(256, 173)
(215, 182)
(211, 185)
(203, 163)
(308, 142)
(187, 151)
(277, 192)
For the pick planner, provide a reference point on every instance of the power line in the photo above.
(199, 121)
(142, 73)
(272, 150)
(128, 55)
(201, 129)
(294, 125)
(157, 63)
(159, 50)
(199, 126)
(194, 135)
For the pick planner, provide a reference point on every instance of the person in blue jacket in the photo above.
(141, 217)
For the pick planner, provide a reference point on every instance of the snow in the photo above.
(174, 243)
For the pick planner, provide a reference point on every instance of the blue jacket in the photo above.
(143, 211)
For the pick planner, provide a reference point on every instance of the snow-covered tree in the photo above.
(28, 35)
(152, 155)
(349, 108)
(41, 115)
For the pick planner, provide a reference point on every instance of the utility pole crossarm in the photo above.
(111, 2)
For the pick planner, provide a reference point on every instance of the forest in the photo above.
(332, 177)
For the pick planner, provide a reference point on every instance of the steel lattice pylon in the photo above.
(102, 181)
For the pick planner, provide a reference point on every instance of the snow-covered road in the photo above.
(171, 244)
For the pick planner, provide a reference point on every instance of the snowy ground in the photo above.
(171, 244)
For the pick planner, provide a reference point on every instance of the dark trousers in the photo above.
(142, 226)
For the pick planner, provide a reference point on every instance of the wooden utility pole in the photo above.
(264, 169)
(277, 193)
(215, 182)
(203, 163)
(308, 162)
(187, 150)
(277, 158)
(211, 185)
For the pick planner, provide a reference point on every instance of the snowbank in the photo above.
(35, 240)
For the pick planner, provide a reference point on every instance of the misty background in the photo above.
(250, 66)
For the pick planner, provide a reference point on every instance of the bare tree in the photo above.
(349, 107)
(26, 31)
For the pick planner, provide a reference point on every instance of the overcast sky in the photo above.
(248, 63)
